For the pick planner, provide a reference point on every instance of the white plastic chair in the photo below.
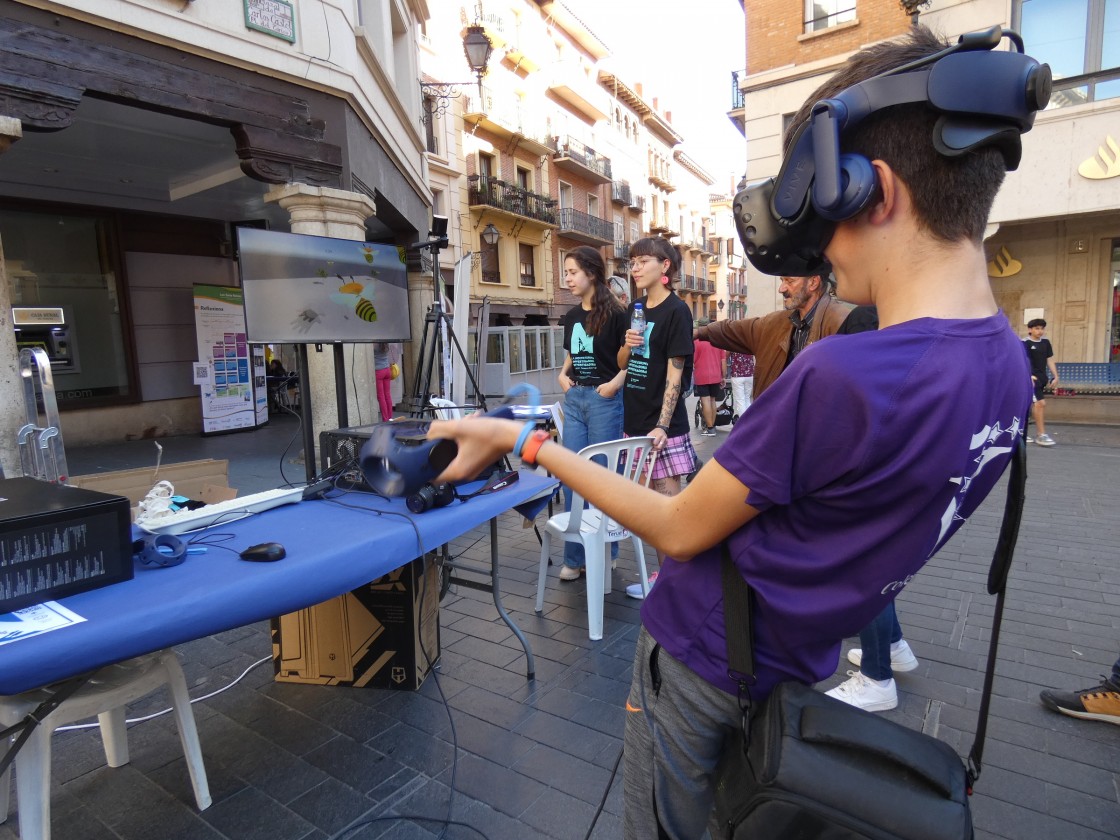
(585, 524)
(104, 695)
(445, 409)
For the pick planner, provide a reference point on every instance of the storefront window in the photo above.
(1079, 39)
(1114, 335)
(63, 261)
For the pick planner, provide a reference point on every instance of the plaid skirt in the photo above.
(676, 458)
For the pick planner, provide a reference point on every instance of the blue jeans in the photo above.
(588, 419)
(876, 640)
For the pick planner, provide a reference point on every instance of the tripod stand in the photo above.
(432, 353)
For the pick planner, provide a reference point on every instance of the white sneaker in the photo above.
(1045, 440)
(865, 693)
(570, 573)
(902, 658)
(634, 590)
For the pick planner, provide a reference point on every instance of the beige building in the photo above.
(145, 134)
(1054, 243)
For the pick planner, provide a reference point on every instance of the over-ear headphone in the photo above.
(983, 98)
(431, 496)
(159, 550)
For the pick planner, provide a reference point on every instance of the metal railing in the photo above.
(485, 189)
(737, 99)
(620, 191)
(571, 219)
(572, 148)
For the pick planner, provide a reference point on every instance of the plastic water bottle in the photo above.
(638, 322)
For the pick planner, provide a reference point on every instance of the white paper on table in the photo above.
(31, 621)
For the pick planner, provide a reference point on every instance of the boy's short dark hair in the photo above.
(1036, 322)
(952, 196)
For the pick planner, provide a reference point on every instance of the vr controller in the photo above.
(398, 459)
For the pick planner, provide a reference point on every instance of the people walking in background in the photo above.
(590, 377)
(1101, 702)
(708, 370)
(620, 288)
(1041, 355)
(776, 339)
(383, 376)
(740, 370)
(652, 399)
(882, 651)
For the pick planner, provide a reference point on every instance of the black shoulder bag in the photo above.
(809, 766)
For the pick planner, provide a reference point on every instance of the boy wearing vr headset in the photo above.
(870, 450)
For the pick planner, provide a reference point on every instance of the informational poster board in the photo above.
(224, 370)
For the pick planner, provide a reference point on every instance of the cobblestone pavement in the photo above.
(532, 760)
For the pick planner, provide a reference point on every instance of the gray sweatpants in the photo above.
(675, 730)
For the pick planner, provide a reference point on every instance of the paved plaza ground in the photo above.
(525, 760)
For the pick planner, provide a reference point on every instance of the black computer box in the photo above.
(338, 456)
(57, 540)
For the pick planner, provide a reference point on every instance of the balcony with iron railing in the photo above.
(637, 202)
(585, 228)
(508, 117)
(575, 156)
(487, 191)
(620, 192)
(621, 250)
(737, 99)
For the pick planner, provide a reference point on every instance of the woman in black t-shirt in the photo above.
(590, 378)
(653, 399)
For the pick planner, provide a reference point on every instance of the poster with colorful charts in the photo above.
(224, 371)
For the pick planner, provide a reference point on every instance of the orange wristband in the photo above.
(532, 446)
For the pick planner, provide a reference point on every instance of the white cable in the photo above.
(166, 711)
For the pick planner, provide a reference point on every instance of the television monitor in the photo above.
(302, 289)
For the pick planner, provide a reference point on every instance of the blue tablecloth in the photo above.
(331, 549)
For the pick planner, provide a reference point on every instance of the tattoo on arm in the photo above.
(669, 403)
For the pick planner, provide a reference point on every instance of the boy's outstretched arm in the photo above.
(713, 504)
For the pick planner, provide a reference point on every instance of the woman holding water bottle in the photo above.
(658, 362)
(590, 377)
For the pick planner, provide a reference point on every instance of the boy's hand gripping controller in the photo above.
(398, 459)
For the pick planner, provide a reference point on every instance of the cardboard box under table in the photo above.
(384, 634)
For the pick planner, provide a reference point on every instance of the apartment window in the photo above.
(437, 203)
(593, 206)
(524, 179)
(486, 165)
(527, 258)
(431, 138)
(822, 14)
(489, 262)
(567, 198)
(634, 234)
(1080, 40)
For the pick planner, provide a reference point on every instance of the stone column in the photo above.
(323, 211)
(12, 414)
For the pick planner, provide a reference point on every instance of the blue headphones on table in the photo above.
(983, 97)
(156, 550)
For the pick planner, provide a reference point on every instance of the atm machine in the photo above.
(51, 329)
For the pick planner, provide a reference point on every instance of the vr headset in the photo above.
(983, 98)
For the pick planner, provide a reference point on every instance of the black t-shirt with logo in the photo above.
(669, 335)
(594, 357)
(1038, 352)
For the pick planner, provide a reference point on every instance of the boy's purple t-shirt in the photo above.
(863, 458)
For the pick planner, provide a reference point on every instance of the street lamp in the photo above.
(477, 48)
(490, 235)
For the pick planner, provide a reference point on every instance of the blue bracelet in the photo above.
(526, 430)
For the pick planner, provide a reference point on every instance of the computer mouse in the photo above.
(264, 552)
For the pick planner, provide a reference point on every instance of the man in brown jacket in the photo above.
(775, 339)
